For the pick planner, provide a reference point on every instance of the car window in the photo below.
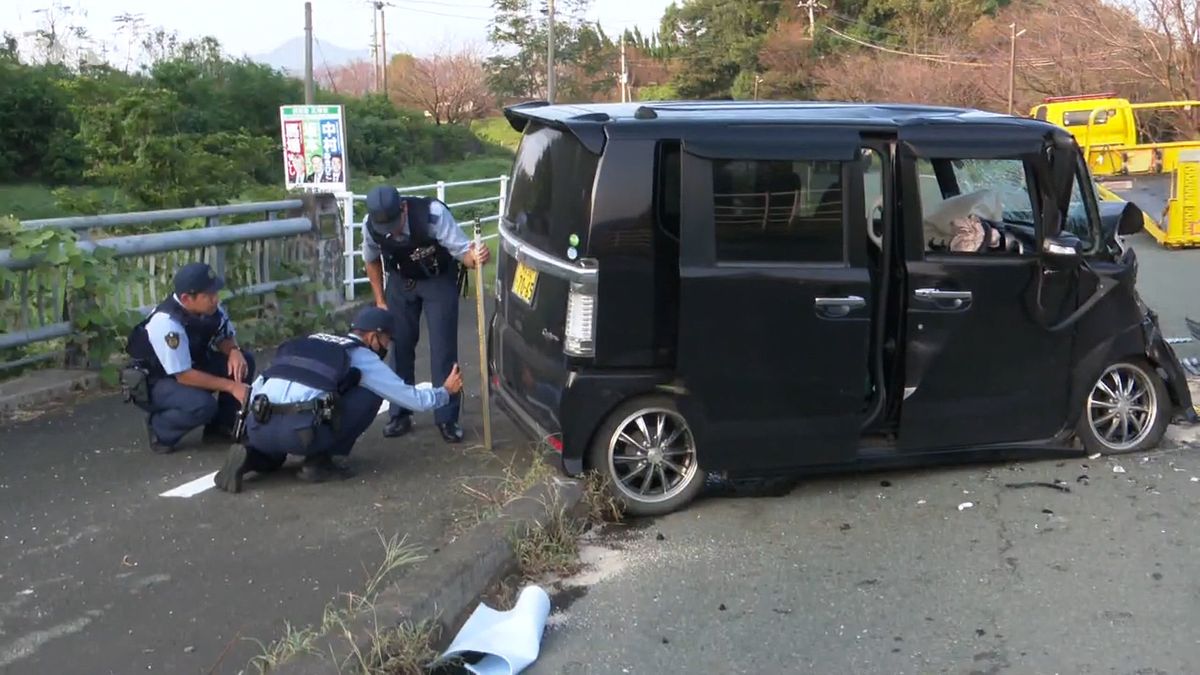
(778, 211)
(550, 196)
(1081, 220)
(976, 206)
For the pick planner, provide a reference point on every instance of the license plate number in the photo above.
(524, 283)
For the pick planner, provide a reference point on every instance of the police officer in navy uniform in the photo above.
(188, 348)
(421, 246)
(319, 395)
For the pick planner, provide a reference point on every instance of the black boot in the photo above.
(321, 468)
(398, 426)
(156, 446)
(451, 432)
(237, 463)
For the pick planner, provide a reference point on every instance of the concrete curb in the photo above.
(45, 386)
(447, 586)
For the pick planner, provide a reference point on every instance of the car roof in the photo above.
(586, 120)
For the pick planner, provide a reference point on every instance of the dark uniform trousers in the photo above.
(176, 409)
(302, 434)
(438, 297)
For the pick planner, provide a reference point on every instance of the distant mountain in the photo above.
(290, 56)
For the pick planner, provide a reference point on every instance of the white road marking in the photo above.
(192, 488)
(26, 645)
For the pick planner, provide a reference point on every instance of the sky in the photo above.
(248, 27)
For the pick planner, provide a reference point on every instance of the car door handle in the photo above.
(838, 307)
(938, 294)
(945, 299)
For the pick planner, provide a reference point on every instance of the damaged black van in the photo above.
(758, 288)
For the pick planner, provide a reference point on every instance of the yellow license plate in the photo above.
(524, 283)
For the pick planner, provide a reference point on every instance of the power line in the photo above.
(433, 13)
(936, 58)
(325, 63)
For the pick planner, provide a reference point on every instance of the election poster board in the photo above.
(314, 148)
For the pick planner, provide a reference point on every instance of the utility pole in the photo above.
(1012, 63)
(550, 54)
(812, 21)
(308, 44)
(757, 79)
(624, 73)
(375, 50)
(383, 43)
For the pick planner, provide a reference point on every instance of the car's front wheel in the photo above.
(647, 453)
(1127, 410)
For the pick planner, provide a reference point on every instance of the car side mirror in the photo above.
(1062, 248)
(1132, 219)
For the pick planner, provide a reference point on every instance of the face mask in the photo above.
(379, 349)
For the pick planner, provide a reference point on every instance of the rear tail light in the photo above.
(581, 320)
(555, 442)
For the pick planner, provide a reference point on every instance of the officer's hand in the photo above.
(381, 304)
(477, 255)
(237, 366)
(454, 383)
(240, 391)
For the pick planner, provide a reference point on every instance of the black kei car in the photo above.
(769, 287)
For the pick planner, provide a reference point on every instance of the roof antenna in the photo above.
(645, 113)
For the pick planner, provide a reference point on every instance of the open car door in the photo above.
(775, 296)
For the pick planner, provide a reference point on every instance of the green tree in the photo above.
(133, 143)
(583, 54)
(721, 38)
(36, 124)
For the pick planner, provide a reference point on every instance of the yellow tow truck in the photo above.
(1161, 177)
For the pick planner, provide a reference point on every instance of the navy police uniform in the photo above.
(420, 245)
(172, 340)
(319, 396)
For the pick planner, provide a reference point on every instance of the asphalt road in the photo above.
(1169, 282)
(883, 573)
(100, 574)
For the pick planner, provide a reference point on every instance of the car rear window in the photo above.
(551, 193)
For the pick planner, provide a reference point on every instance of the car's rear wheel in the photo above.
(1127, 410)
(647, 453)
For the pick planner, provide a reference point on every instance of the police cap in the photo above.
(373, 319)
(385, 207)
(197, 277)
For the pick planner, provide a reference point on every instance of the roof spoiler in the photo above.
(585, 125)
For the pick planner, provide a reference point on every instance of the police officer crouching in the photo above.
(319, 395)
(424, 251)
(182, 353)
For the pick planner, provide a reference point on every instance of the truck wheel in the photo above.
(1127, 410)
(647, 452)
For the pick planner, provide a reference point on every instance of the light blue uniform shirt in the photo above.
(178, 359)
(447, 231)
(376, 376)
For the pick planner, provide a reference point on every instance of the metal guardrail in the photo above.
(353, 226)
(165, 215)
(252, 256)
(34, 310)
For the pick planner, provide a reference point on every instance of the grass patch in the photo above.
(29, 201)
(497, 131)
(397, 553)
(493, 493)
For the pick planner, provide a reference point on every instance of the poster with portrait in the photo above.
(314, 148)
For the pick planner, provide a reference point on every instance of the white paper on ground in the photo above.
(510, 640)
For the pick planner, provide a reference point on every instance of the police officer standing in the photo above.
(319, 395)
(189, 350)
(417, 240)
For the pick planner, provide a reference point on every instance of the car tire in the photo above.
(1127, 409)
(647, 476)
